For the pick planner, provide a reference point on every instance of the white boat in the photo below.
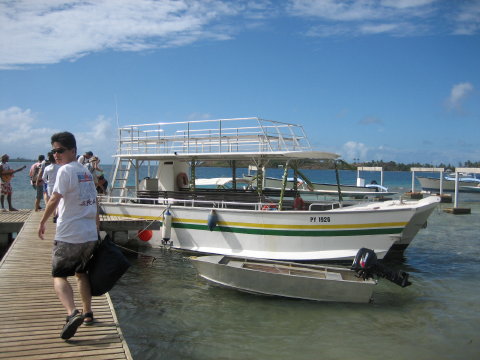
(473, 189)
(248, 223)
(221, 183)
(369, 190)
(466, 183)
(301, 281)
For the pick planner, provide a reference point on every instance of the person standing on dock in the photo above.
(49, 175)
(6, 174)
(85, 158)
(77, 230)
(36, 181)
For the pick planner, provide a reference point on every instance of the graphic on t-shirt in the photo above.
(87, 194)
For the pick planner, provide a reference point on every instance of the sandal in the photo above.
(88, 318)
(72, 324)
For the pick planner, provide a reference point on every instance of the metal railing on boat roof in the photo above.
(245, 135)
(216, 204)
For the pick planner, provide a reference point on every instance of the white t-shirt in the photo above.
(83, 160)
(49, 176)
(77, 209)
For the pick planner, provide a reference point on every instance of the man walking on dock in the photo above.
(77, 230)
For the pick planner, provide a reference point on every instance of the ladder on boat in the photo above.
(120, 177)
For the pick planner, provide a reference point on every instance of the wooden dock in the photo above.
(31, 316)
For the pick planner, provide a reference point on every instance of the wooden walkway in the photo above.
(31, 316)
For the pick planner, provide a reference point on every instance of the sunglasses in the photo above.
(58, 151)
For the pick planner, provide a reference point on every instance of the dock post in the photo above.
(455, 198)
(413, 181)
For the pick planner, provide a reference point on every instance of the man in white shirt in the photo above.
(85, 158)
(77, 230)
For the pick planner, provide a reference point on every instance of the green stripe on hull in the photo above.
(291, 232)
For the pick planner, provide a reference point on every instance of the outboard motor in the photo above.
(366, 265)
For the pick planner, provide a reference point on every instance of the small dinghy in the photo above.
(295, 280)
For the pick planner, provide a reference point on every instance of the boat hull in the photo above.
(285, 279)
(433, 185)
(281, 235)
(418, 221)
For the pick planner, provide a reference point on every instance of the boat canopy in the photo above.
(221, 139)
(311, 155)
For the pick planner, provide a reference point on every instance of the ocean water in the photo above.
(167, 312)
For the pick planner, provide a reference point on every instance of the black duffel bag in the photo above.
(106, 266)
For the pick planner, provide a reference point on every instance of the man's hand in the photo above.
(49, 210)
(41, 230)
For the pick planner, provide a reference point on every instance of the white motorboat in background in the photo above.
(306, 187)
(466, 183)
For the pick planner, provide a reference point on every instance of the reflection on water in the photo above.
(166, 312)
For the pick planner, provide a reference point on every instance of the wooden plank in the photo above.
(31, 316)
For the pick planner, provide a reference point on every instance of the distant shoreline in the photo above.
(21, 160)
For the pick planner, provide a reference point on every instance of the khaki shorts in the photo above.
(68, 259)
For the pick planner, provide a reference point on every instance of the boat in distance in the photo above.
(358, 191)
(466, 183)
(255, 223)
(300, 281)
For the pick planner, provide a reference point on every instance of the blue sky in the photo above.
(370, 79)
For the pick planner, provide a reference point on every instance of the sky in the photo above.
(391, 80)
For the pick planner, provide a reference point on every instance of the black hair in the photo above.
(41, 157)
(65, 139)
(50, 157)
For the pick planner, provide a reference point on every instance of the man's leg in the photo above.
(38, 197)
(74, 318)
(64, 293)
(2, 200)
(9, 199)
(85, 293)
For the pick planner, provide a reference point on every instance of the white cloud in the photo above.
(17, 116)
(361, 10)
(50, 31)
(99, 137)
(354, 150)
(24, 136)
(369, 17)
(199, 116)
(404, 4)
(378, 28)
(467, 20)
(46, 32)
(371, 120)
(458, 94)
(21, 132)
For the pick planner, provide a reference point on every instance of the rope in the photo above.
(138, 253)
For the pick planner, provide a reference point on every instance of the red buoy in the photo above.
(145, 235)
